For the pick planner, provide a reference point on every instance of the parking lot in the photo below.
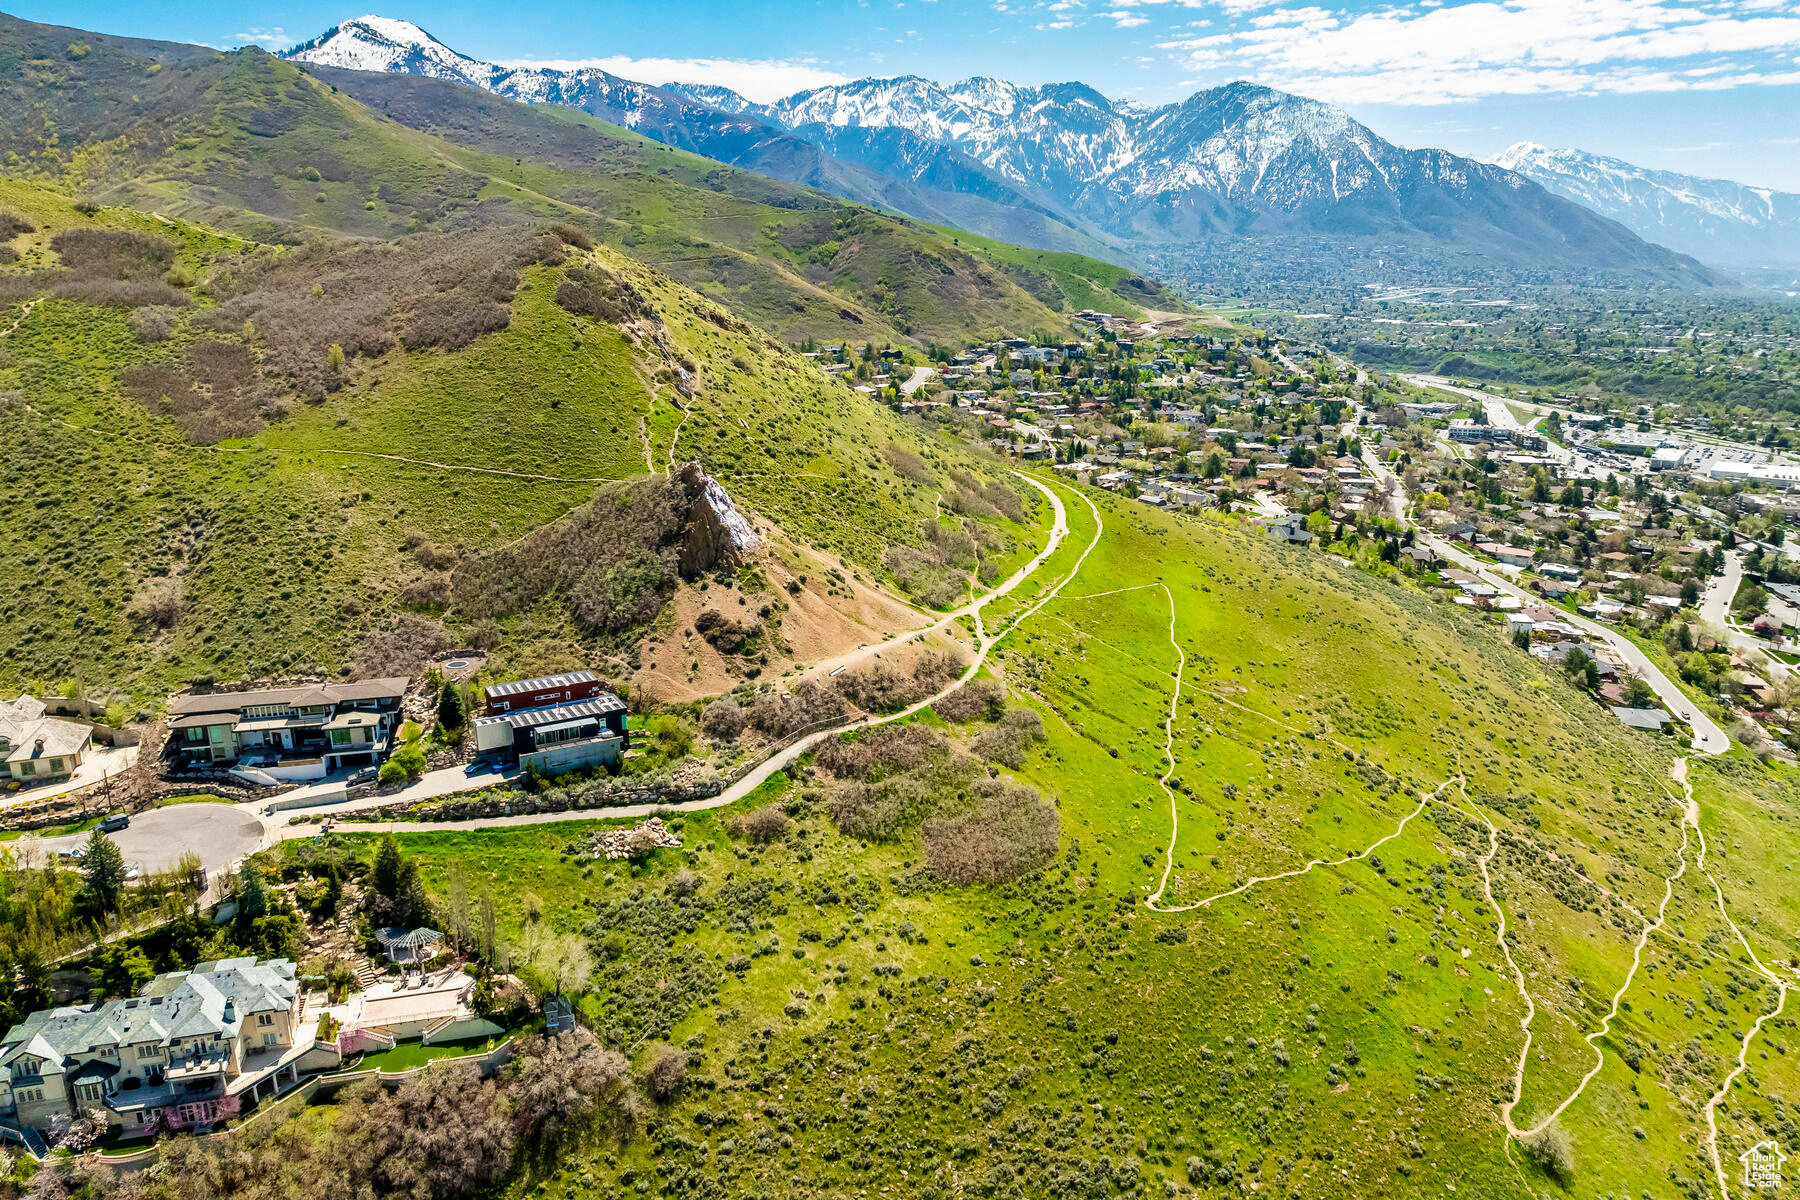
(219, 833)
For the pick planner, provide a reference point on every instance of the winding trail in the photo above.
(1689, 820)
(1154, 900)
(986, 642)
(25, 312)
(1781, 986)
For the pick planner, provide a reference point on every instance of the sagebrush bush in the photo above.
(615, 561)
(1007, 831)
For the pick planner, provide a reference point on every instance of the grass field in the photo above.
(1349, 1029)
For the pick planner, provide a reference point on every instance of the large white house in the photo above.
(186, 1052)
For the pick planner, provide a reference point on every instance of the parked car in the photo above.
(362, 776)
(481, 766)
(113, 822)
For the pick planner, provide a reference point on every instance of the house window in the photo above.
(265, 1018)
(268, 1039)
(55, 765)
(340, 737)
(26, 768)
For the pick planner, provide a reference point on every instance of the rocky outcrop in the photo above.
(717, 533)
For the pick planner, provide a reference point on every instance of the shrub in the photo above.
(602, 295)
(879, 752)
(12, 225)
(153, 324)
(572, 236)
(401, 650)
(1549, 1148)
(980, 699)
(723, 720)
(408, 762)
(666, 1075)
(1011, 740)
(157, 604)
(1009, 832)
(766, 824)
(112, 254)
(615, 561)
(807, 705)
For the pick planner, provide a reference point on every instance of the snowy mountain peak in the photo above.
(1715, 220)
(376, 43)
(1227, 162)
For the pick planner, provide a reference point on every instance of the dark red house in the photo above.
(542, 691)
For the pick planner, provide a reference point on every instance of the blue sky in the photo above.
(1709, 87)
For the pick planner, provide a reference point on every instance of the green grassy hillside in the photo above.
(258, 146)
(1348, 1028)
(295, 509)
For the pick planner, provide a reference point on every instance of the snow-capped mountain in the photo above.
(719, 124)
(374, 43)
(1062, 166)
(1230, 161)
(1715, 220)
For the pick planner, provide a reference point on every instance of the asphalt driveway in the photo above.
(219, 833)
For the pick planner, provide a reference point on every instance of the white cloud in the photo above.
(1448, 52)
(276, 38)
(760, 79)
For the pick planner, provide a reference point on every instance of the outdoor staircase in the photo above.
(366, 976)
(34, 1142)
(435, 1027)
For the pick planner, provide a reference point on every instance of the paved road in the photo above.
(919, 378)
(219, 833)
(1708, 737)
(1715, 611)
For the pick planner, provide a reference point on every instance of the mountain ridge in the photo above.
(1228, 164)
(1715, 220)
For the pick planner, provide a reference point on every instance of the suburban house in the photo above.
(36, 747)
(187, 1051)
(541, 692)
(563, 737)
(197, 1047)
(1291, 530)
(288, 733)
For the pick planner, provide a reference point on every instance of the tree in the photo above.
(1639, 694)
(385, 876)
(104, 867)
(124, 969)
(457, 924)
(1549, 1149)
(452, 709)
(253, 894)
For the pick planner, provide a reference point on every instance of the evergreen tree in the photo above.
(452, 710)
(253, 894)
(385, 878)
(104, 867)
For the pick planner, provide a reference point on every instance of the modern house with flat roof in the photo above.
(288, 733)
(541, 692)
(186, 1052)
(559, 737)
